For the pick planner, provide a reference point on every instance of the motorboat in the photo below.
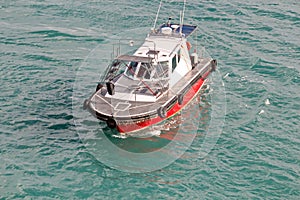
(154, 83)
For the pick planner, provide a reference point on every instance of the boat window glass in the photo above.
(144, 71)
(131, 69)
(174, 63)
(179, 53)
(163, 69)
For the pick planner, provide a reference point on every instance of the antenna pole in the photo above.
(160, 4)
(182, 16)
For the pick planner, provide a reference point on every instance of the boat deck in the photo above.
(132, 109)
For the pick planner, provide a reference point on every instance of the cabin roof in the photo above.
(159, 47)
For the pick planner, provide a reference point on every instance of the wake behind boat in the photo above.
(154, 83)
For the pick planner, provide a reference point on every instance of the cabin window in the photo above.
(174, 63)
(163, 69)
(131, 69)
(144, 71)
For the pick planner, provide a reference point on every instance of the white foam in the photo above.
(121, 136)
(267, 102)
(226, 75)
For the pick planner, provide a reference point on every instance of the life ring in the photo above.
(111, 123)
(162, 113)
(86, 104)
(99, 86)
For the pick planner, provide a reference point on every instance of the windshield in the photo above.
(146, 71)
(138, 70)
(131, 69)
(163, 69)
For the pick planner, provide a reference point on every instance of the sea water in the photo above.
(239, 139)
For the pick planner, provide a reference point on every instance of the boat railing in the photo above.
(128, 45)
(203, 53)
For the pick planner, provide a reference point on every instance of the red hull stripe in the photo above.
(175, 109)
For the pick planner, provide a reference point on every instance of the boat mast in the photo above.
(182, 16)
(160, 4)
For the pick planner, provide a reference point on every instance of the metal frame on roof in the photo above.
(135, 58)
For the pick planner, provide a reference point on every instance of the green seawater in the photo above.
(43, 45)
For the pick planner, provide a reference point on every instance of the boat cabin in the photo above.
(156, 66)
